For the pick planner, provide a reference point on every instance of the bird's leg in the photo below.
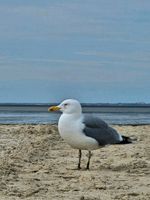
(89, 157)
(80, 154)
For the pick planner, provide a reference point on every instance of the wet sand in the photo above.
(36, 164)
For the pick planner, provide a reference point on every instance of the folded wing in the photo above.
(99, 130)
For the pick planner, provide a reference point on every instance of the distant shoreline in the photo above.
(87, 108)
(83, 104)
(135, 114)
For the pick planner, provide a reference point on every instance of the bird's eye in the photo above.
(65, 104)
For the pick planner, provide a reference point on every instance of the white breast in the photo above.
(70, 128)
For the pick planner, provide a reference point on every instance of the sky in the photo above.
(90, 50)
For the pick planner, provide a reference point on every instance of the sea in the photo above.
(121, 114)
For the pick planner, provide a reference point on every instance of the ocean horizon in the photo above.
(118, 113)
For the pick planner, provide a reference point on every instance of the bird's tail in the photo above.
(126, 140)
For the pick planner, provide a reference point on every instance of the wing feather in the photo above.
(99, 130)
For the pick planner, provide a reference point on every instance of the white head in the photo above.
(68, 106)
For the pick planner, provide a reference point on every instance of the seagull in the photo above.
(85, 132)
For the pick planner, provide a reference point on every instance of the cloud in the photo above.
(70, 71)
(53, 19)
(132, 56)
(82, 45)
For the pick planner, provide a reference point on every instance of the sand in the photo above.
(36, 164)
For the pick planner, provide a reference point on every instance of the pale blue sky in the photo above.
(91, 50)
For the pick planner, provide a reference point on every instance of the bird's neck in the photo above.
(68, 119)
(72, 116)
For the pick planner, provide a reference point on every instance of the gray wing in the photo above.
(99, 130)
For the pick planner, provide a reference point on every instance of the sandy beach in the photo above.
(36, 164)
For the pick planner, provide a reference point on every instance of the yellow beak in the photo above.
(53, 108)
